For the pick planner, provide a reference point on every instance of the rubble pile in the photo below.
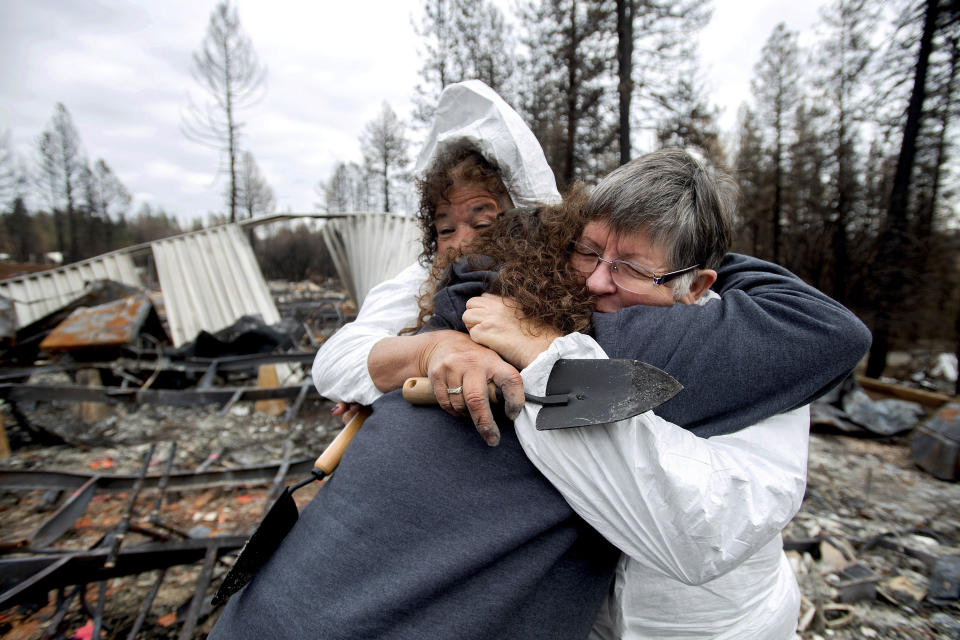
(872, 532)
(311, 303)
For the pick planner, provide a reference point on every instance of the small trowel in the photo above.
(583, 392)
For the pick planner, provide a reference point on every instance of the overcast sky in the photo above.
(122, 69)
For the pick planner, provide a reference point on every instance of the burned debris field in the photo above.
(133, 471)
(133, 474)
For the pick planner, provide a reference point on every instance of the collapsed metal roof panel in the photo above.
(368, 248)
(209, 279)
(112, 324)
(38, 294)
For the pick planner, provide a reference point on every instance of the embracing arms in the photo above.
(340, 368)
(366, 357)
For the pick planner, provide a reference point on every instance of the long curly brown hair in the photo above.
(455, 164)
(530, 250)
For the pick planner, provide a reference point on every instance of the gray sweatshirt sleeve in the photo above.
(771, 344)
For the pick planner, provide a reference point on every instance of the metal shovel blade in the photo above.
(601, 391)
(281, 517)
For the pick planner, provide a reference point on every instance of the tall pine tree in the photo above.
(776, 89)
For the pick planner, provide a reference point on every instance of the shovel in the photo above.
(583, 392)
(281, 517)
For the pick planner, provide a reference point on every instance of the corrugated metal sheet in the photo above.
(209, 279)
(368, 248)
(38, 294)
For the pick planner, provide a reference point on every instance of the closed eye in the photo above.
(634, 270)
(585, 250)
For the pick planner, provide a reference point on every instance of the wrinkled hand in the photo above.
(494, 323)
(346, 410)
(457, 361)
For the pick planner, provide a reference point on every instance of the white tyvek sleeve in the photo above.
(340, 369)
(688, 507)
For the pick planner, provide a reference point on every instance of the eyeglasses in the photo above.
(626, 275)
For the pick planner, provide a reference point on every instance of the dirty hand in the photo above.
(494, 323)
(457, 363)
(346, 410)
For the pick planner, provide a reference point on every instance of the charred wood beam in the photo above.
(33, 576)
(39, 479)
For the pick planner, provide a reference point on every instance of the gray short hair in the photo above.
(683, 205)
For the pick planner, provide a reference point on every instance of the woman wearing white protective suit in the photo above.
(478, 160)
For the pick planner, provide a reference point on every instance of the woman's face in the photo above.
(633, 247)
(467, 208)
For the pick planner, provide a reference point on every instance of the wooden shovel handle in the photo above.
(330, 457)
(420, 391)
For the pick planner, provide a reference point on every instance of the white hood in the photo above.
(472, 112)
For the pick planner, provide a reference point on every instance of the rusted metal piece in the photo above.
(117, 536)
(162, 485)
(63, 604)
(98, 612)
(209, 375)
(115, 539)
(108, 325)
(212, 458)
(294, 409)
(199, 595)
(935, 444)
(142, 616)
(257, 474)
(38, 574)
(234, 399)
